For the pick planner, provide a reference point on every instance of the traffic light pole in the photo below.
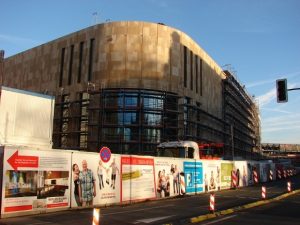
(292, 89)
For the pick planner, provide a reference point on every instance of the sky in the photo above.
(259, 39)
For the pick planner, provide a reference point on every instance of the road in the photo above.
(175, 210)
(282, 212)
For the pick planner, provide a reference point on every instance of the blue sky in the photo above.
(260, 39)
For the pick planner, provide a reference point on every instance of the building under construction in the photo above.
(131, 85)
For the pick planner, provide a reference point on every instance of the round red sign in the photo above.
(105, 154)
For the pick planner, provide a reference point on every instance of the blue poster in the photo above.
(193, 173)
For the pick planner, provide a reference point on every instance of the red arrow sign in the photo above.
(17, 160)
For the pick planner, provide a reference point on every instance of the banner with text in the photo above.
(35, 180)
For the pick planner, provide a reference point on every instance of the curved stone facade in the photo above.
(126, 55)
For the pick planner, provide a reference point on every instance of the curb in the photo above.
(201, 218)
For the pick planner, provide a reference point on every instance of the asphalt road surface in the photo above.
(175, 210)
(282, 212)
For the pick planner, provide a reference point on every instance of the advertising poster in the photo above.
(193, 172)
(35, 180)
(167, 176)
(264, 172)
(226, 170)
(138, 182)
(212, 175)
(95, 180)
(241, 173)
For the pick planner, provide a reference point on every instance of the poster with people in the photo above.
(95, 182)
(167, 176)
(226, 174)
(241, 173)
(35, 180)
(193, 172)
(211, 175)
(138, 182)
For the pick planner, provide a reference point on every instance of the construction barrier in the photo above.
(263, 192)
(120, 180)
(212, 202)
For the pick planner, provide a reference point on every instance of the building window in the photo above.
(130, 118)
(80, 61)
(134, 119)
(185, 66)
(83, 123)
(131, 134)
(92, 41)
(152, 103)
(62, 61)
(192, 69)
(65, 115)
(131, 101)
(152, 119)
(70, 65)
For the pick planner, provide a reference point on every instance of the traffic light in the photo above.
(281, 87)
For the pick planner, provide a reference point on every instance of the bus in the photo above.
(190, 149)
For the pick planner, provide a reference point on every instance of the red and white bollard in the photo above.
(96, 216)
(289, 186)
(279, 174)
(284, 173)
(212, 203)
(255, 177)
(182, 184)
(263, 192)
(234, 179)
(271, 175)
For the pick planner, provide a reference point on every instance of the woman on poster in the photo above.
(100, 169)
(76, 171)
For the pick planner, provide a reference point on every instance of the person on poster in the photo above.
(218, 178)
(158, 189)
(175, 174)
(100, 169)
(87, 188)
(244, 177)
(205, 182)
(114, 170)
(76, 172)
(212, 184)
(237, 178)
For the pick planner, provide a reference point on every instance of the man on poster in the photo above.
(87, 188)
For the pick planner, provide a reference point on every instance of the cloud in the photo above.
(277, 110)
(273, 80)
(283, 122)
(266, 98)
(18, 40)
